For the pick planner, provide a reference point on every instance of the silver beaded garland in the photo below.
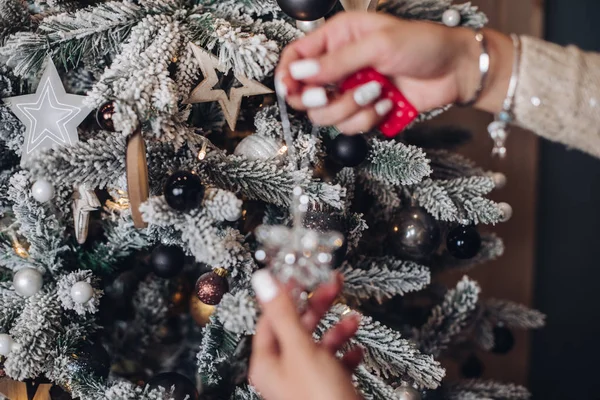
(28, 281)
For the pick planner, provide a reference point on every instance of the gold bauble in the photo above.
(200, 312)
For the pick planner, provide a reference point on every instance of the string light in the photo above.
(17, 246)
(120, 200)
(202, 152)
(283, 150)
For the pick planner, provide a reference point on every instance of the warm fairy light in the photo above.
(283, 149)
(17, 246)
(20, 249)
(120, 200)
(201, 155)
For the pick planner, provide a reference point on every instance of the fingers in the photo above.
(366, 119)
(353, 358)
(320, 302)
(280, 313)
(335, 338)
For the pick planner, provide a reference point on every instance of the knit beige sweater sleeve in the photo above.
(558, 94)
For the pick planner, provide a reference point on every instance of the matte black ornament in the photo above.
(504, 340)
(414, 233)
(472, 368)
(184, 191)
(463, 242)
(90, 359)
(325, 222)
(348, 150)
(104, 116)
(306, 10)
(167, 261)
(212, 286)
(176, 385)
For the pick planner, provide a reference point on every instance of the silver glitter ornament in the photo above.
(298, 254)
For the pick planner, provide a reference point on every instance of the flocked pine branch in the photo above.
(13, 16)
(238, 312)
(395, 163)
(12, 305)
(387, 354)
(268, 181)
(485, 390)
(447, 165)
(432, 10)
(383, 278)
(459, 200)
(448, 319)
(38, 224)
(35, 331)
(70, 37)
(371, 386)
(513, 315)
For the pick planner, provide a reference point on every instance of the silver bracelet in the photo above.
(498, 129)
(484, 69)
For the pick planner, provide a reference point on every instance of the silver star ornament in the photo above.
(50, 115)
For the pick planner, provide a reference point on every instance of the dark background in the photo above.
(566, 354)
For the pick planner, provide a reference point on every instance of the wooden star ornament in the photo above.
(24, 390)
(206, 91)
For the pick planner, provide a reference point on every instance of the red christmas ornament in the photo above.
(403, 112)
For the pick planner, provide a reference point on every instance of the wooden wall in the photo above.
(511, 277)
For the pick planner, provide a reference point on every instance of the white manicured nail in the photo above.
(304, 69)
(367, 93)
(280, 87)
(264, 285)
(383, 107)
(314, 97)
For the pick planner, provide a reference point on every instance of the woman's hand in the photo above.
(286, 363)
(431, 64)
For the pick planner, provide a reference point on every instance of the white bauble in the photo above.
(28, 281)
(42, 191)
(451, 17)
(82, 292)
(406, 392)
(499, 180)
(6, 344)
(506, 210)
(258, 147)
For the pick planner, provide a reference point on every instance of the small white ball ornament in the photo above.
(499, 180)
(451, 17)
(506, 210)
(42, 191)
(406, 392)
(6, 344)
(28, 281)
(258, 147)
(82, 292)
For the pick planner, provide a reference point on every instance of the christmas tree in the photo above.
(141, 147)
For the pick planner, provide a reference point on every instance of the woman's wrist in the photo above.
(468, 75)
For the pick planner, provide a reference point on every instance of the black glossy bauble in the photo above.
(504, 340)
(349, 151)
(463, 242)
(414, 233)
(472, 368)
(104, 116)
(184, 191)
(176, 385)
(325, 222)
(211, 287)
(90, 359)
(167, 261)
(306, 10)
